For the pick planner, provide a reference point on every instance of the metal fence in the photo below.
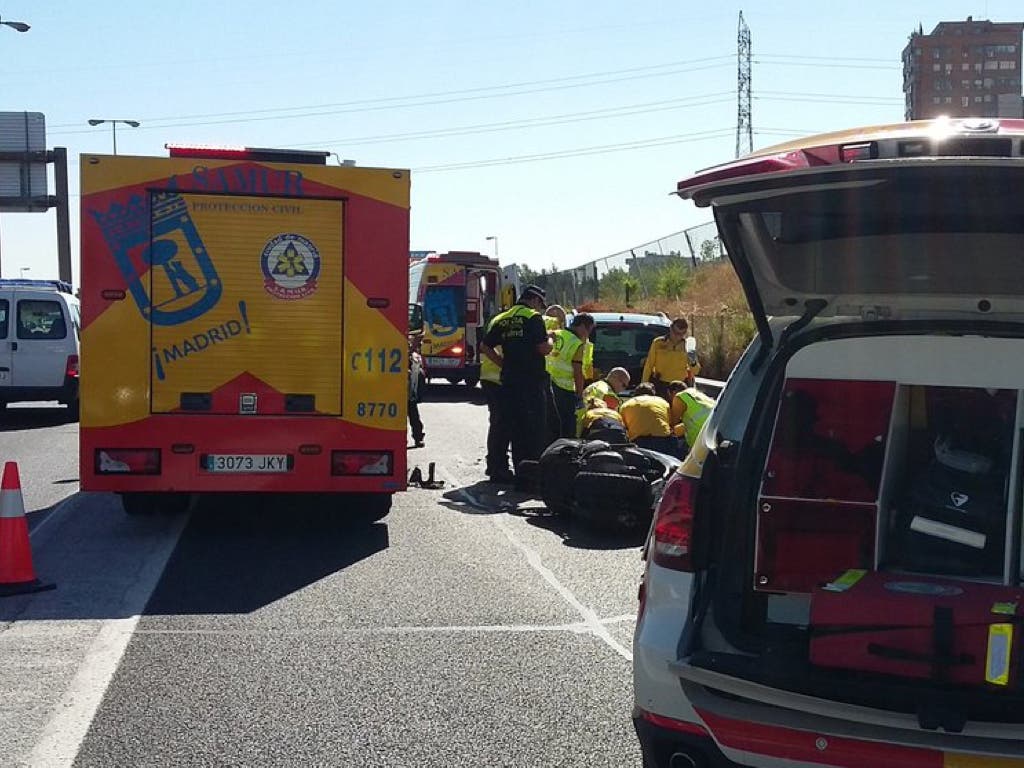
(657, 268)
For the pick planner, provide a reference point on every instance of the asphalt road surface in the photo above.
(468, 628)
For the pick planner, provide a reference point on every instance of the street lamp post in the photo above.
(495, 239)
(19, 26)
(113, 127)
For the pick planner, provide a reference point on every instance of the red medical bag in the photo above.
(918, 627)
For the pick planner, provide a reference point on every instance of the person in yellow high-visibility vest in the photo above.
(554, 318)
(690, 409)
(498, 436)
(524, 345)
(607, 390)
(565, 364)
(667, 359)
(588, 361)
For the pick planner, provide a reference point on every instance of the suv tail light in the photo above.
(71, 369)
(677, 543)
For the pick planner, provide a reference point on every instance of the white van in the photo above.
(40, 324)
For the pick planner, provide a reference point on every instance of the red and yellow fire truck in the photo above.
(244, 325)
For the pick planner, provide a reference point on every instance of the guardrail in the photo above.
(711, 387)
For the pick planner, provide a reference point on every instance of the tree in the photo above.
(709, 250)
(612, 286)
(527, 275)
(672, 281)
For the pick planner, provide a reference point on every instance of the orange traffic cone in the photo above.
(17, 576)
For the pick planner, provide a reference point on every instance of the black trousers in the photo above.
(525, 412)
(415, 421)
(565, 405)
(498, 439)
(670, 446)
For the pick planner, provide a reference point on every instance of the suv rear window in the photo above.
(41, 320)
(626, 340)
(936, 230)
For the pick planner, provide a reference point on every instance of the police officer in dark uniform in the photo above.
(525, 384)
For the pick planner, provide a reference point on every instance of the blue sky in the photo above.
(561, 127)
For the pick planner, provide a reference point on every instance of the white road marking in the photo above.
(63, 735)
(578, 627)
(591, 623)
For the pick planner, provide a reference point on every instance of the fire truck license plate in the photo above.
(238, 462)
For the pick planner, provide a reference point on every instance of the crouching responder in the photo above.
(599, 422)
(565, 364)
(607, 390)
(690, 409)
(524, 344)
(648, 421)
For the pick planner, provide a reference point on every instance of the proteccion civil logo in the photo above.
(291, 266)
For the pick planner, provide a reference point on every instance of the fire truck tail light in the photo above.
(362, 462)
(127, 461)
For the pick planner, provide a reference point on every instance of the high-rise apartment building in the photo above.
(964, 69)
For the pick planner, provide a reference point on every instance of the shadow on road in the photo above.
(483, 498)
(579, 535)
(453, 393)
(238, 555)
(234, 556)
(17, 419)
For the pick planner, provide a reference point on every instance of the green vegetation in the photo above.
(710, 298)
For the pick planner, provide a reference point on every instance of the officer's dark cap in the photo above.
(533, 291)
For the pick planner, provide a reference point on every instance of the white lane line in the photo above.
(579, 627)
(63, 735)
(591, 622)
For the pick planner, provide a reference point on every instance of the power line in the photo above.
(532, 122)
(866, 103)
(428, 99)
(823, 65)
(659, 141)
(589, 116)
(857, 97)
(821, 58)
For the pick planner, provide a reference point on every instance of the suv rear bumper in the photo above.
(665, 747)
